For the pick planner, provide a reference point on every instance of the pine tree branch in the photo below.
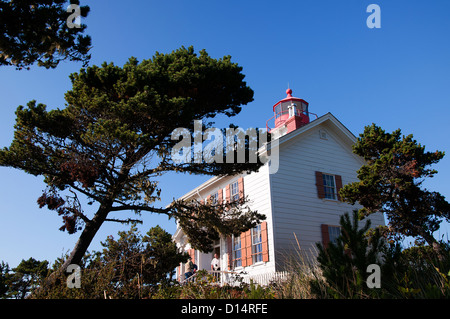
(124, 221)
(166, 211)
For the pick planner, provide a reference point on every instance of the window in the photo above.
(329, 186)
(330, 234)
(215, 198)
(234, 188)
(278, 109)
(251, 247)
(237, 252)
(257, 253)
(334, 232)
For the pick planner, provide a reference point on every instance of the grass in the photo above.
(413, 273)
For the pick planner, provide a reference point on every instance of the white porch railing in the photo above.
(233, 278)
(266, 278)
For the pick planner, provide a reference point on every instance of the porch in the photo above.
(233, 278)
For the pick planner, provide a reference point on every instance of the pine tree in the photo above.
(37, 31)
(344, 263)
(26, 277)
(391, 182)
(113, 141)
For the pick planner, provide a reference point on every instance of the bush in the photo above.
(417, 272)
(131, 267)
(206, 286)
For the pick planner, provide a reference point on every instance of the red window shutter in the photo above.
(243, 250)
(208, 199)
(325, 235)
(248, 248)
(191, 253)
(230, 252)
(338, 179)
(227, 193)
(220, 197)
(241, 187)
(319, 184)
(265, 244)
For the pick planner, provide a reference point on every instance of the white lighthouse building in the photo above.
(300, 201)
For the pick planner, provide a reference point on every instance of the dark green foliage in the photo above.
(139, 261)
(206, 287)
(19, 282)
(205, 225)
(344, 263)
(37, 31)
(4, 278)
(417, 272)
(391, 183)
(132, 266)
(153, 256)
(112, 141)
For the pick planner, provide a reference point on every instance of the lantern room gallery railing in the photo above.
(281, 117)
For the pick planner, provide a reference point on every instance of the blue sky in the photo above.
(397, 76)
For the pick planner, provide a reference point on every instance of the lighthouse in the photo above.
(289, 114)
(297, 191)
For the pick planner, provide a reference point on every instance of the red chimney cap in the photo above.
(289, 93)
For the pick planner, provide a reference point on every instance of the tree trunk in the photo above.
(433, 244)
(85, 239)
(94, 225)
(81, 246)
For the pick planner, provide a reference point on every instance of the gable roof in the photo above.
(346, 135)
(328, 119)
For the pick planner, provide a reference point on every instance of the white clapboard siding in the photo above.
(257, 188)
(288, 199)
(296, 206)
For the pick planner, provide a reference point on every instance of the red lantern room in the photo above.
(290, 113)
